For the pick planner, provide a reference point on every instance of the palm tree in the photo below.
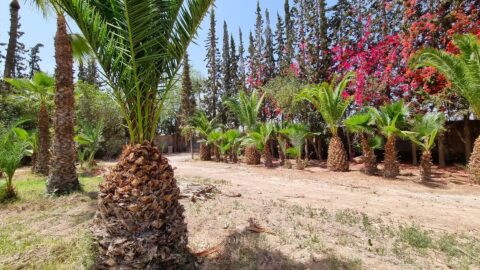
(42, 86)
(214, 140)
(329, 102)
(203, 126)
(12, 42)
(140, 45)
(260, 137)
(389, 120)
(296, 134)
(89, 138)
(463, 72)
(246, 108)
(424, 132)
(363, 125)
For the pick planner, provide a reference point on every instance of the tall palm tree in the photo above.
(329, 102)
(42, 86)
(139, 45)
(203, 126)
(390, 119)
(12, 42)
(246, 108)
(260, 137)
(463, 72)
(363, 125)
(424, 132)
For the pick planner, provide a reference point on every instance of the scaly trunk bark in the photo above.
(426, 166)
(12, 43)
(442, 163)
(139, 223)
(216, 153)
(337, 156)
(252, 156)
(191, 146)
(370, 160)
(62, 178)
(267, 153)
(205, 153)
(42, 158)
(474, 163)
(391, 166)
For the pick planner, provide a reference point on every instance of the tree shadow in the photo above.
(249, 250)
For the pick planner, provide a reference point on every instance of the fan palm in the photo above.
(229, 146)
(463, 72)
(296, 134)
(89, 138)
(363, 125)
(246, 108)
(390, 119)
(42, 85)
(424, 132)
(214, 140)
(140, 44)
(330, 103)
(203, 126)
(260, 137)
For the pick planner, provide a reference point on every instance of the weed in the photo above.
(415, 237)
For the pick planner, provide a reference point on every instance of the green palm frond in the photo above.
(202, 125)
(360, 122)
(296, 134)
(426, 128)
(260, 135)
(463, 70)
(328, 100)
(246, 107)
(139, 44)
(391, 118)
(41, 84)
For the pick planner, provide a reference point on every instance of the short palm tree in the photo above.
(139, 45)
(42, 86)
(363, 125)
(247, 108)
(330, 103)
(260, 137)
(463, 72)
(424, 132)
(214, 140)
(89, 138)
(296, 134)
(230, 142)
(390, 119)
(203, 126)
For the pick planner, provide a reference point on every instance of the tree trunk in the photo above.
(369, 158)
(205, 153)
(306, 149)
(349, 143)
(252, 156)
(391, 165)
(467, 136)
(62, 177)
(216, 153)
(337, 156)
(442, 163)
(191, 146)
(139, 223)
(267, 153)
(414, 154)
(474, 163)
(426, 166)
(281, 154)
(12, 43)
(43, 155)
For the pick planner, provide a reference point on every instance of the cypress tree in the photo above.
(280, 44)
(212, 66)
(323, 41)
(269, 58)
(225, 70)
(187, 96)
(259, 46)
(234, 70)
(20, 69)
(34, 61)
(289, 35)
(241, 61)
(251, 64)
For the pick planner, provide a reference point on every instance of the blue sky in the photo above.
(237, 14)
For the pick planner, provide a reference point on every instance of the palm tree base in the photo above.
(337, 156)
(391, 166)
(426, 166)
(369, 158)
(252, 156)
(205, 154)
(474, 163)
(139, 222)
(268, 156)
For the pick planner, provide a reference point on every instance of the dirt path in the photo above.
(451, 208)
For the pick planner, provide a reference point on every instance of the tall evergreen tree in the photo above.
(323, 41)
(213, 62)
(12, 42)
(259, 47)
(187, 107)
(280, 44)
(34, 61)
(241, 60)
(82, 71)
(251, 64)
(289, 35)
(269, 53)
(225, 73)
(236, 84)
(20, 69)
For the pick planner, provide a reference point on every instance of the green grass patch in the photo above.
(415, 237)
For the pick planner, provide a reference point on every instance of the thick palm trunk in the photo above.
(337, 156)
(474, 164)
(267, 153)
(12, 42)
(62, 177)
(205, 153)
(252, 156)
(369, 158)
(391, 166)
(139, 223)
(42, 158)
(216, 153)
(426, 166)
(233, 155)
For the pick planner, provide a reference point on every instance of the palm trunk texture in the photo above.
(42, 158)
(337, 156)
(391, 166)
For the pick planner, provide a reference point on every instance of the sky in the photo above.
(237, 13)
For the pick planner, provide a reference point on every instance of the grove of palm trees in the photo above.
(202, 134)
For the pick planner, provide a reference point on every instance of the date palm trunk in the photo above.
(337, 156)
(12, 43)
(426, 166)
(205, 154)
(216, 153)
(474, 163)
(267, 153)
(140, 223)
(42, 158)
(369, 158)
(391, 165)
(62, 178)
(252, 156)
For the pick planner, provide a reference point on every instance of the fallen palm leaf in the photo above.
(209, 251)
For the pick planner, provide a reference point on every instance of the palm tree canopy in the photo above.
(246, 108)
(296, 134)
(462, 70)
(140, 45)
(260, 135)
(328, 100)
(425, 129)
(41, 84)
(202, 125)
(391, 118)
(360, 122)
